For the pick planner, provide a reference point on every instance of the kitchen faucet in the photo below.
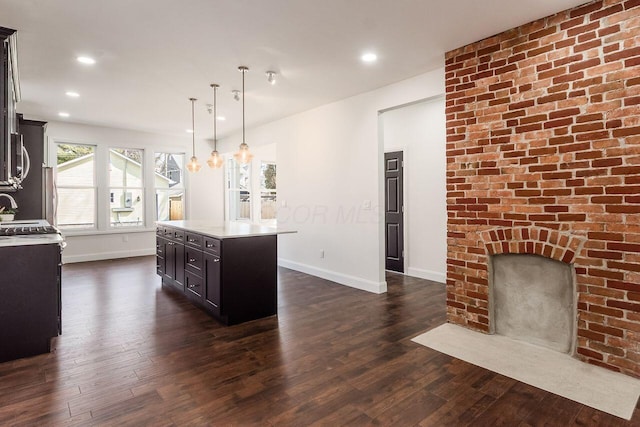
(14, 205)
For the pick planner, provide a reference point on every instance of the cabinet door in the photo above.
(212, 281)
(169, 261)
(178, 251)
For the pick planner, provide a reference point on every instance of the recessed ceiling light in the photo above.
(87, 60)
(72, 94)
(369, 57)
(221, 118)
(188, 130)
(63, 114)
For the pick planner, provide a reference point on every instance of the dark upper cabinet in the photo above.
(31, 198)
(11, 159)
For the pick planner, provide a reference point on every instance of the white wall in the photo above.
(329, 168)
(95, 245)
(419, 131)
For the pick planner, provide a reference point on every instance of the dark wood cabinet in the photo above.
(212, 282)
(233, 279)
(30, 299)
(171, 260)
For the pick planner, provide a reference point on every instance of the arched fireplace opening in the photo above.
(533, 298)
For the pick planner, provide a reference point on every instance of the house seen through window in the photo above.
(169, 186)
(126, 187)
(76, 185)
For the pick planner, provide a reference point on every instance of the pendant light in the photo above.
(243, 155)
(193, 165)
(215, 160)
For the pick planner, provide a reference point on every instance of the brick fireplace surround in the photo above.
(543, 157)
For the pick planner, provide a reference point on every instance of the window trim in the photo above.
(183, 181)
(124, 189)
(229, 191)
(96, 194)
(101, 180)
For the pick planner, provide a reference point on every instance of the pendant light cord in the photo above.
(243, 72)
(215, 133)
(193, 127)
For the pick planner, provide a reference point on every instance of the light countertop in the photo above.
(29, 239)
(227, 230)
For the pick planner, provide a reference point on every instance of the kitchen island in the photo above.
(230, 271)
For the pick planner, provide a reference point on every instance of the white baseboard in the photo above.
(343, 279)
(106, 255)
(427, 274)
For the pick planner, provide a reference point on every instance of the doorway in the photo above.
(394, 211)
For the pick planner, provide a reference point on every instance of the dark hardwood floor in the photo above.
(133, 353)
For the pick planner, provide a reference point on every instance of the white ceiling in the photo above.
(153, 55)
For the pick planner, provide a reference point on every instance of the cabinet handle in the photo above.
(216, 260)
(192, 286)
(209, 245)
(192, 260)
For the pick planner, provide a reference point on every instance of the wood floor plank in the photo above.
(135, 354)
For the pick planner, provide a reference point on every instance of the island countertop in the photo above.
(225, 231)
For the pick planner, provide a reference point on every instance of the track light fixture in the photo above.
(271, 77)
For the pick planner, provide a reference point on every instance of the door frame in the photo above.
(405, 206)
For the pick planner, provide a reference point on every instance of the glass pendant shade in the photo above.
(243, 156)
(193, 165)
(215, 160)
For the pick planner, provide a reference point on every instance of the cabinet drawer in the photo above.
(212, 245)
(193, 260)
(193, 239)
(159, 247)
(177, 235)
(193, 285)
(159, 230)
(168, 232)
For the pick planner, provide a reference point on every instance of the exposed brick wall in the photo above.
(543, 156)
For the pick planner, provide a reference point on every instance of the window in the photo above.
(239, 190)
(126, 187)
(268, 206)
(169, 185)
(76, 185)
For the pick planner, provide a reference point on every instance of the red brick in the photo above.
(605, 254)
(625, 266)
(585, 64)
(564, 113)
(624, 305)
(605, 12)
(628, 247)
(627, 286)
(607, 311)
(620, 133)
(559, 122)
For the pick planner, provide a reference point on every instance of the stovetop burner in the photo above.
(28, 230)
